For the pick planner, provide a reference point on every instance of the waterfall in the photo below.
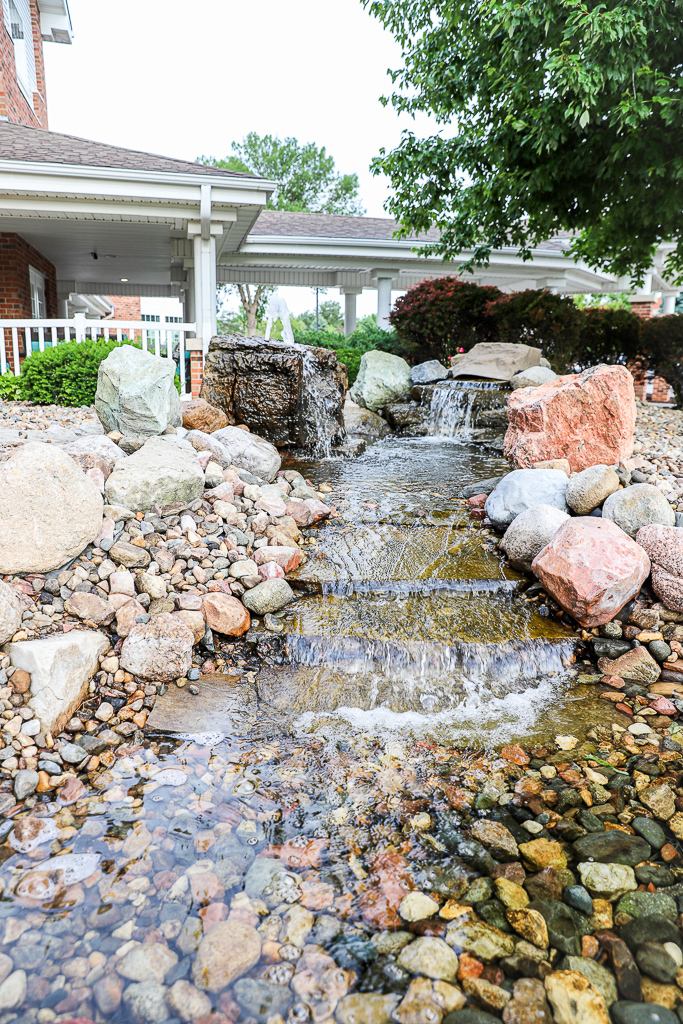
(452, 407)
(320, 406)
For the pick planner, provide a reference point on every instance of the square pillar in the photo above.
(383, 302)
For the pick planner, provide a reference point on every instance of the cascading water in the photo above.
(453, 405)
(320, 408)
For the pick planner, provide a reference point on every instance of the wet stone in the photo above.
(562, 930)
(653, 960)
(260, 999)
(612, 847)
(642, 1013)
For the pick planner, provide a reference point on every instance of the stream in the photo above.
(410, 656)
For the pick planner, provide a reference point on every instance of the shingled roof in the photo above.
(36, 145)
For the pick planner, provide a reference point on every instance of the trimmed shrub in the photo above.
(608, 335)
(539, 318)
(662, 338)
(64, 374)
(9, 387)
(351, 358)
(439, 316)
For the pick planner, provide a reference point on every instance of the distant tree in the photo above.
(307, 181)
(305, 174)
(253, 300)
(561, 116)
(608, 300)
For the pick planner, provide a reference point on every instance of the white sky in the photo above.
(185, 79)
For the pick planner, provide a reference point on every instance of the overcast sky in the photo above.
(185, 79)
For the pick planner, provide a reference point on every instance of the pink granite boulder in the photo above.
(587, 418)
(592, 569)
(664, 546)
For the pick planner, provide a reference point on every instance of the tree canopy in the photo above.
(554, 116)
(306, 174)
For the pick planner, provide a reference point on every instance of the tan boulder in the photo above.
(587, 418)
(225, 614)
(228, 951)
(574, 999)
(201, 415)
(160, 649)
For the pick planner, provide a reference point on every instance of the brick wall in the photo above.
(125, 307)
(13, 104)
(16, 256)
(646, 309)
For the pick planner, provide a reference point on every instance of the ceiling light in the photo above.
(124, 278)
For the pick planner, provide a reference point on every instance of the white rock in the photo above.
(247, 451)
(431, 957)
(61, 666)
(13, 991)
(607, 881)
(164, 470)
(382, 378)
(416, 906)
(10, 612)
(49, 510)
(136, 393)
(532, 377)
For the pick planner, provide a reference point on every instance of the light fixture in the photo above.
(124, 279)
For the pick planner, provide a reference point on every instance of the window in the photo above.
(173, 319)
(150, 318)
(38, 306)
(18, 22)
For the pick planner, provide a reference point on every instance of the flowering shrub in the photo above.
(440, 316)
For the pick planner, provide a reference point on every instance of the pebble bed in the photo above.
(280, 881)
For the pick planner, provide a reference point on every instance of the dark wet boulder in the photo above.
(562, 929)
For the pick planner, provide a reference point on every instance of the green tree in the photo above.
(306, 175)
(561, 116)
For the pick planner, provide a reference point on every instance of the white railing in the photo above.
(27, 336)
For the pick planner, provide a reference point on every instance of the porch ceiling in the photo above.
(139, 252)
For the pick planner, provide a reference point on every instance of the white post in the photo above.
(383, 302)
(669, 305)
(79, 326)
(350, 309)
(205, 287)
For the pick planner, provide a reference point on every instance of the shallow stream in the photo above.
(411, 648)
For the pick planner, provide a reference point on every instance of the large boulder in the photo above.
(382, 378)
(496, 360)
(526, 488)
(61, 667)
(664, 546)
(589, 488)
(364, 421)
(288, 394)
(94, 450)
(532, 378)
(49, 510)
(637, 506)
(160, 649)
(164, 470)
(530, 532)
(592, 569)
(10, 612)
(247, 451)
(136, 393)
(587, 418)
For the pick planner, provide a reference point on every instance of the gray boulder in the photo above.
(382, 378)
(248, 451)
(427, 373)
(588, 489)
(637, 506)
(165, 469)
(364, 422)
(530, 532)
(526, 488)
(136, 393)
(532, 377)
(49, 510)
(269, 596)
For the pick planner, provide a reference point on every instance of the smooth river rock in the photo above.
(588, 489)
(228, 951)
(587, 418)
(637, 506)
(523, 489)
(592, 569)
(49, 509)
(382, 378)
(529, 533)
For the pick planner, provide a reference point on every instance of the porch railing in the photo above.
(20, 338)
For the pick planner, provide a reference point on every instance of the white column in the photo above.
(350, 309)
(383, 302)
(669, 304)
(205, 287)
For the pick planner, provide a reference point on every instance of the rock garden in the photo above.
(384, 738)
